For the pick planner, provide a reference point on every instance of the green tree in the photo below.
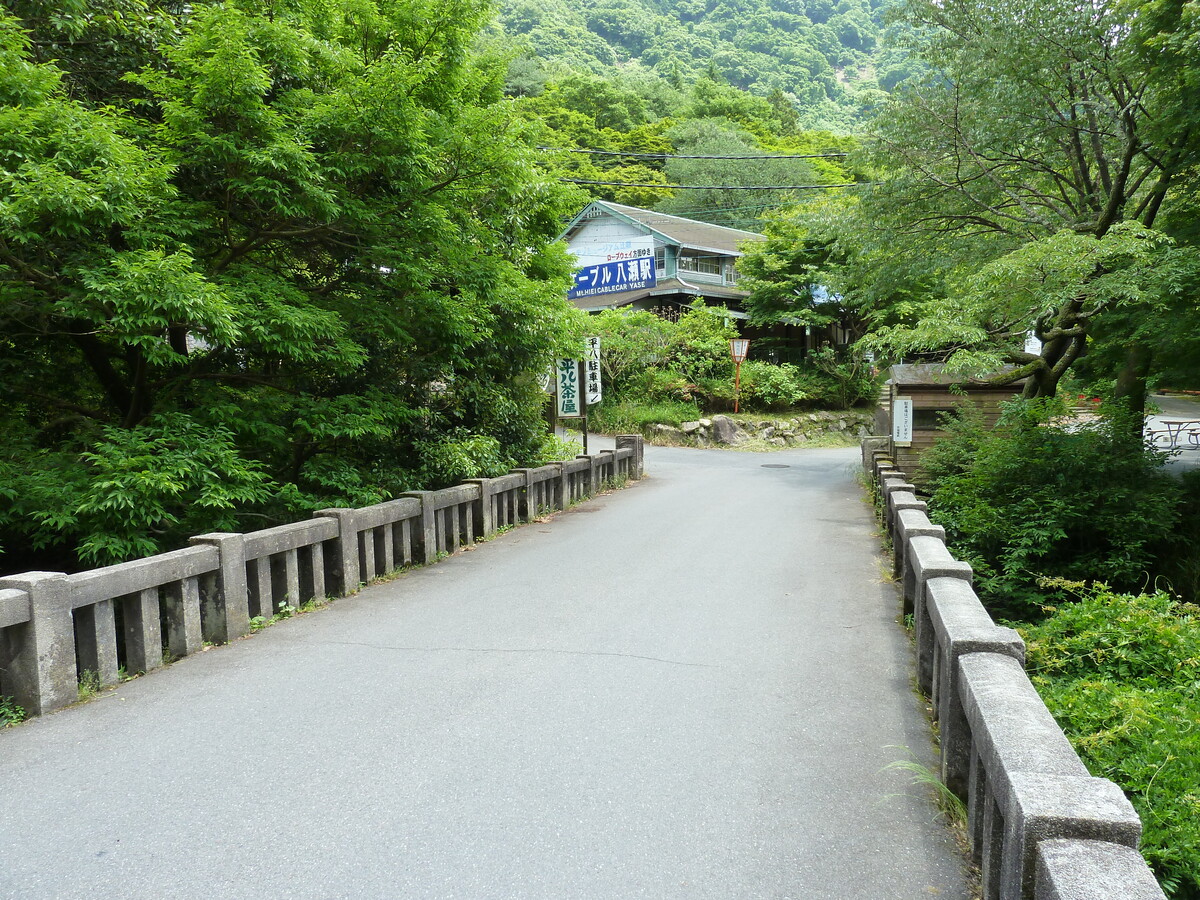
(1035, 124)
(320, 232)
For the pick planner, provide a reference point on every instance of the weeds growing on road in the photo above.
(89, 685)
(11, 712)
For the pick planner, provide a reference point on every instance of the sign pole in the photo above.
(583, 401)
(738, 348)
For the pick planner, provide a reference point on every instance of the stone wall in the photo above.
(55, 627)
(791, 431)
(1040, 826)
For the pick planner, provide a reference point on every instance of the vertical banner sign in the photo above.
(591, 368)
(566, 389)
(902, 421)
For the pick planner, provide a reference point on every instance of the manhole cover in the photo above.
(775, 466)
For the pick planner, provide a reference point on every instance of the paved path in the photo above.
(1175, 407)
(687, 689)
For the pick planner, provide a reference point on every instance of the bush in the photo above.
(766, 386)
(635, 418)
(699, 348)
(847, 378)
(661, 385)
(1032, 498)
(1119, 674)
(631, 343)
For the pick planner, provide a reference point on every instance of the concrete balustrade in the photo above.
(1092, 870)
(1040, 826)
(928, 558)
(960, 626)
(54, 627)
(908, 522)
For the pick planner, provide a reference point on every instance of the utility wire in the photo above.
(682, 156)
(720, 187)
(728, 209)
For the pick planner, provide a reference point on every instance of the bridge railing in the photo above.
(57, 630)
(1040, 826)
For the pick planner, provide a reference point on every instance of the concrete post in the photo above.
(961, 626)
(562, 487)
(40, 654)
(143, 631)
(485, 509)
(225, 611)
(608, 463)
(426, 533)
(929, 558)
(869, 445)
(96, 640)
(181, 603)
(1085, 870)
(592, 481)
(1049, 807)
(526, 500)
(343, 563)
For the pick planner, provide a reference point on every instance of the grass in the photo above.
(89, 685)
(634, 418)
(947, 802)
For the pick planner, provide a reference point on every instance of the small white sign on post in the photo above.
(902, 421)
(566, 389)
(591, 371)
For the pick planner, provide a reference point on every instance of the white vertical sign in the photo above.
(591, 371)
(902, 420)
(566, 389)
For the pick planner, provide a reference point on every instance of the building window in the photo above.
(926, 419)
(660, 262)
(706, 265)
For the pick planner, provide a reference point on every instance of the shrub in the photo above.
(715, 394)
(699, 348)
(1119, 674)
(661, 385)
(766, 386)
(460, 456)
(631, 343)
(847, 377)
(631, 418)
(1032, 498)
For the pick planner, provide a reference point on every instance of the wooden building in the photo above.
(916, 399)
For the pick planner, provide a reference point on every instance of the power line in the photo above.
(728, 209)
(719, 187)
(684, 156)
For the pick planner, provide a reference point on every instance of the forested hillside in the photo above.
(822, 58)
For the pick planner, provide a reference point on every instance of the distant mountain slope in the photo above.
(823, 56)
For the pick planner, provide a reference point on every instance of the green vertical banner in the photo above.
(568, 403)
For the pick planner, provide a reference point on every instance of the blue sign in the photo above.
(613, 278)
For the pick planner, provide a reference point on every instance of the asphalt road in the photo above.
(690, 688)
(1185, 456)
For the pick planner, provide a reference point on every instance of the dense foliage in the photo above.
(1040, 497)
(676, 370)
(1035, 177)
(257, 259)
(818, 59)
(1119, 674)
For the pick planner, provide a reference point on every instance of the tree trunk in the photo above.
(1130, 390)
